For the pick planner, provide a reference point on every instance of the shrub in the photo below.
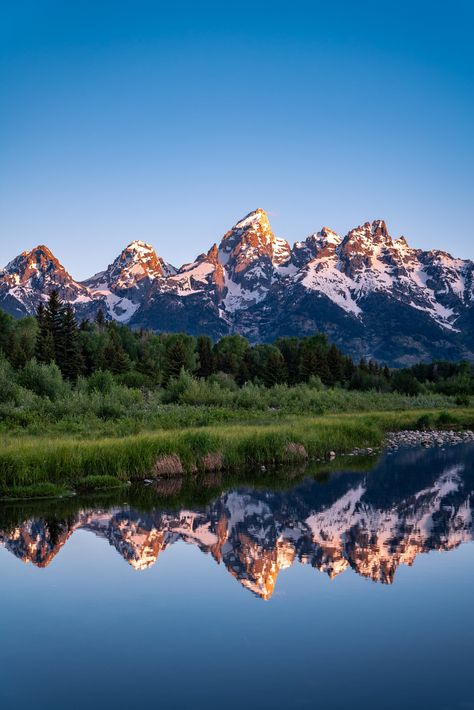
(7, 382)
(43, 380)
(178, 386)
(425, 422)
(224, 380)
(134, 379)
(446, 419)
(101, 381)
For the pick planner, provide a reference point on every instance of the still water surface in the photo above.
(353, 592)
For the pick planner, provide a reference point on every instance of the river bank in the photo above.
(38, 465)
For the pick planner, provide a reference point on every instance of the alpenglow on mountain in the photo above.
(374, 296)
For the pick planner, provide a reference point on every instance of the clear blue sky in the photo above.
(169, 121)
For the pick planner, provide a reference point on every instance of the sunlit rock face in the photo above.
(370, 523)
(37, 540)
(30, 278)
(127, 282)
(372, 294)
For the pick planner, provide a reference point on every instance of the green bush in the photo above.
(425, 422)
(8, 387)
(446, 419)
(43, 380)
(101, 381)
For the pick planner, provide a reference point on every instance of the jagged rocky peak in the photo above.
(37, 268)
(31, 276)
(321, 244)
(367, 236)
(250, 240)
(136, 267)
(137, 261)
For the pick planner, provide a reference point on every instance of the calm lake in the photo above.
(355, 590)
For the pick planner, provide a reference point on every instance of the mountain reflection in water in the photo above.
(412, 502)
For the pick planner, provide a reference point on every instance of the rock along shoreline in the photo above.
(410, 439)
(428, 439)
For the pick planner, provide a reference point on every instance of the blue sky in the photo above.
(169, 121)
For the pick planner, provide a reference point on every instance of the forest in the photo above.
(53, 350)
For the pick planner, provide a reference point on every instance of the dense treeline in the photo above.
(141, 359)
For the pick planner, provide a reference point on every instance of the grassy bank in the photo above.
(71, 461)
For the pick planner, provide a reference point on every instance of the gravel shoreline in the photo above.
(428, 439)
(408, 438)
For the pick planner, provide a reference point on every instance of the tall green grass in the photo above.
(68, 459)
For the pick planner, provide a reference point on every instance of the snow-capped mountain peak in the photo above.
(251, 239)
(127, 281)
(136, 265)
(374, 295)
(31, 276)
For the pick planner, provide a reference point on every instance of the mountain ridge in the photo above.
(375, 296)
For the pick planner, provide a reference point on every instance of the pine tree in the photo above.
(54, 322)
(44, 350)
(100, 318)
(114, 357)
(175, 359)
(313, 359)
(275, 367)
(68, 355)
(205, 355)
(335, 362)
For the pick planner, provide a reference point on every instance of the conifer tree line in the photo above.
(145, 359)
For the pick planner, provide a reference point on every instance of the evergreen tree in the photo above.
(205, 356)
(290, 349)
(275, 367)
(68, 354)
(23, 342)
(230, 352)
(335, 363)
(313, 360)
(176, 358)
(7, 326)
(100, 318)
(44, 349)
(114, 357)
(54, 317)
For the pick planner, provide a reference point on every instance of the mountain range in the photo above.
(370, 523)
(373, 295)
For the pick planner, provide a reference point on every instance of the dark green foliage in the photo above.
(290, 349)
(230, 353)
(101, 381)
(266, 364)
(114, 357)
(405, 382)
(314, 361)
(69, 356)
(44, 349)
(23, 342)
(42, 379)
(147, 361)
(205, 356)
(180, 354)
(100, 317)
